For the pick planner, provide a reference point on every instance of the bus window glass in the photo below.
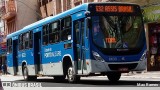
(9, 45)
(10, 50)
(54, 32)
(30, 39)
(45, 35)
(117, 31)
(26, 40)
(66, 30)
(77, 31)
(21, 42)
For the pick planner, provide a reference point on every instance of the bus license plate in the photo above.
(123, 69)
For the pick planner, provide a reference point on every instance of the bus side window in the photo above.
(20, 42)
(26, 40)
(54, 32)
(23, 43)
(9, 45)
(66, 28)
(30, 39)
(45, 34)
(77, 31)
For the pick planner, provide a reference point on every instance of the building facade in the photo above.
(141, 2)
(2, 34)
(54, 7)
(16, 14)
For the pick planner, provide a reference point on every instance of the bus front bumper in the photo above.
(101, 66)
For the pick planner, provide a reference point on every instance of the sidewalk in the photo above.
(149, 74)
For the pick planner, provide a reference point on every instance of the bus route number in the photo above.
(119, 9)
(99, 8)
(111, 40)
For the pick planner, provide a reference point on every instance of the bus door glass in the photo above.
(15, 59)
(80, 45)
(37, 52)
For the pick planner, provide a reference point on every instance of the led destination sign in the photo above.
(118, 9)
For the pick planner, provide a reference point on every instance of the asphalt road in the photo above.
(84, 82)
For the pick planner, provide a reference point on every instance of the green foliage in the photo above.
(151, 13)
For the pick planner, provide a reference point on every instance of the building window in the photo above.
(99, 0)
(40, 2)
(54, 30)
(58, 6)
(11, 26)
(78, 2)
(68, 4)
(66, 25)
(44, 2)
(45, 34)
(90, 0)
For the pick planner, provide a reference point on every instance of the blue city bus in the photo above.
(90, 39)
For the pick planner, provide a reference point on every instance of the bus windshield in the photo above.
(118, 32)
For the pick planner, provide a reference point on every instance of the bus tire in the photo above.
(26, 76)
(71, 76)
(114, 76)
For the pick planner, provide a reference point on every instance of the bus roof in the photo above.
(52, 18)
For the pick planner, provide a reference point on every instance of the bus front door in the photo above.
(80, 46)
(15, 59)
(37, 53)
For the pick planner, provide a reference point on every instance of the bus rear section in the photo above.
(118, 43)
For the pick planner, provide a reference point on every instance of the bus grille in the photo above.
(118, 66)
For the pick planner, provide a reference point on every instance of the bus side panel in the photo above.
(52, 58)
(26, 56)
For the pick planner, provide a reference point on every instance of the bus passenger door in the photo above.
(37, 52)
(80, 46)
(15, 57)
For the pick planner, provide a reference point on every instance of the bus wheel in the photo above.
(26, 76)
(71, 75)
(113, 76)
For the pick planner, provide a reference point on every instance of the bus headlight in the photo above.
(144, 56)
(97, 56)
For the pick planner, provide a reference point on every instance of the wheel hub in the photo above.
(70, 74)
